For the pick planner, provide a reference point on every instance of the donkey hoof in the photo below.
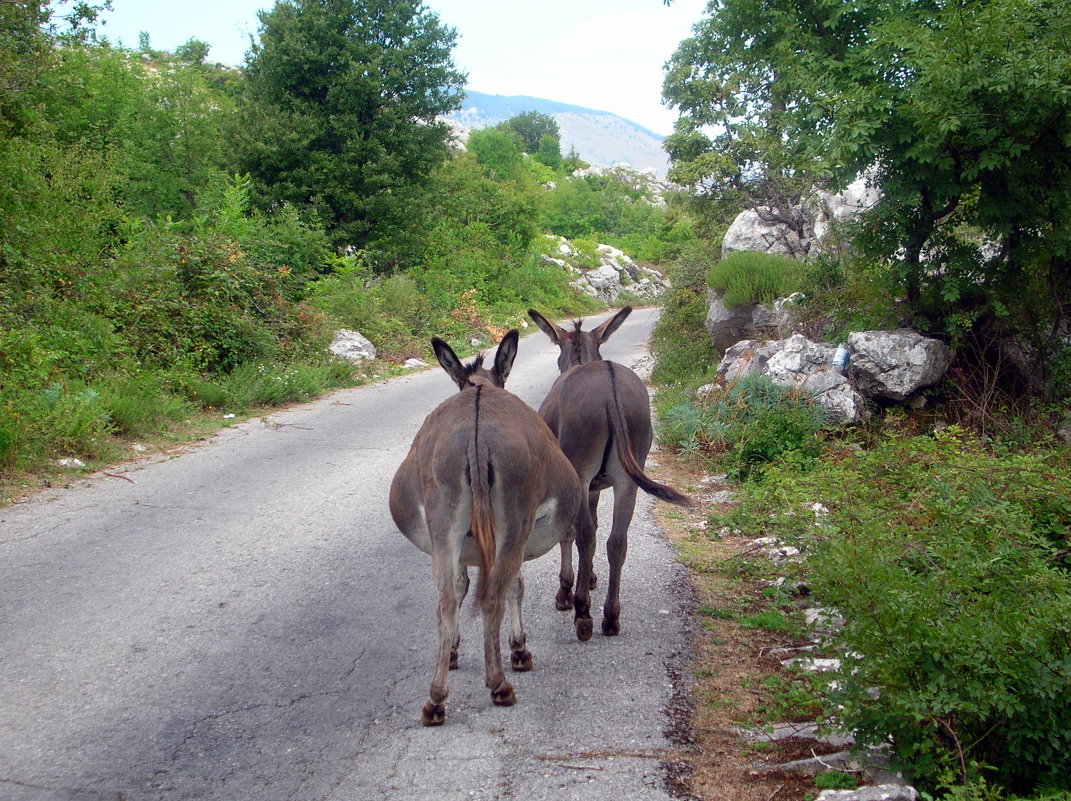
(504, 696)
(611, 628)
(433, 714)
(563, 601)
(453, 660)
(521, 661)
(584, 629)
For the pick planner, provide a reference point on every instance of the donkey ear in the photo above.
(504, 356)
(449, 361)
(603, 331)
(546, 325)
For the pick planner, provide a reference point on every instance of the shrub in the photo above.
(751, 277)
(752, 424)
(948, 564)
(835, 780)
(679, 343)
(142, 404)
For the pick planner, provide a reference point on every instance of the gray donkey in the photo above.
(601, 414)
(484, 484)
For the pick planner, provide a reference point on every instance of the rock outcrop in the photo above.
(880, 366)
(615, 274)
(801, 230)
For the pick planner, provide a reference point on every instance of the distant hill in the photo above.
(600, 137)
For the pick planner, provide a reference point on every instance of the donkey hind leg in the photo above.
(462, 589)
(593, 511)
(444, 569)
(504, 585)
(520, 658)
(616, 549)
(585, 548)
(564, 599)
(495, 679)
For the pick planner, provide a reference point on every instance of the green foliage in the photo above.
(549, 151)
(749, 426)
(341, 112)
(768, 619)
(145, 276)
(835, 780)
(948, 563)
(254, 384)
(964, 107)
(162, 126)
(684, 354)
(536, 131)
(59, 215)
(617, 208)
(845, 293)
(392, 312)
(498, 152)
(143, 403)
(753, 277)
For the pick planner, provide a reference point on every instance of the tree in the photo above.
(961, 108)
(341, 112)
(531, 127)
(161, 127)
(497, 151)
(27, 32)
(549, 151)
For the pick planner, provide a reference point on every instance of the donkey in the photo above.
(484, 484)
(601, 414)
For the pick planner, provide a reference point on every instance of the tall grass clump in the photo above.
(748, 426)
(951, 565)
(752, 277)
(684, 353)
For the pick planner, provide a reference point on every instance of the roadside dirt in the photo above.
(738, 683)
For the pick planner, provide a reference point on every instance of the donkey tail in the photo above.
(482, 519)
(619, 431)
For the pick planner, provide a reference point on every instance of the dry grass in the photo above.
(731, 662)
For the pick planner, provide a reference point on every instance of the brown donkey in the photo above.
(601, 413)
(484, 484)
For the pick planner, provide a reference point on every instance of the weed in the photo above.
(754, 277)
(835, 780)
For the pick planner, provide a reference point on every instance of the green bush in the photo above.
(835, 780)
(751, 425)
(752, 277)
(256, 384)
(949, 564)
(142, 404)
(683, 352)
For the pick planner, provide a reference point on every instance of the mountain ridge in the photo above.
(599, 137)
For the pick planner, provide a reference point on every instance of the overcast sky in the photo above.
(603, 54)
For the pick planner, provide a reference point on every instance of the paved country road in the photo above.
(243, 621)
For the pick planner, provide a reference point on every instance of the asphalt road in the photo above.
(244, 621)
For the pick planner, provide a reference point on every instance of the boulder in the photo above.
(745, 357)
(834, 207)
(757, 229)
(751, 230)
(894, 365)
(726, 326)
(878, 792)
(882, 365)
(352, 346)
(797, 362)
(748, 321)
